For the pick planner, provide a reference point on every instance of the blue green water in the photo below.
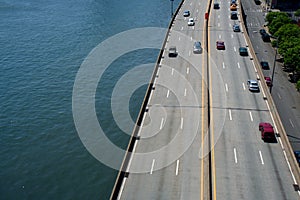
(42, 45)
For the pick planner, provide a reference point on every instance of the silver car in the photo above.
(172, 51)
(253, 85)
(197, 47)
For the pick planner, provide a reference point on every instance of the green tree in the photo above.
(292, 58)
(288, 43)
(297, 13)
(273, 15)
(278, 22)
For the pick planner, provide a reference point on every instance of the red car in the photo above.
(267, 131)
(268, 81)
(220, 45)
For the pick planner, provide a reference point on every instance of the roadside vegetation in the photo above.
(286, 36)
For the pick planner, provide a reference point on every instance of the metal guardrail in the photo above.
(122, 172)
(287, 148)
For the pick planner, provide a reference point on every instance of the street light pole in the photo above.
(274, 66)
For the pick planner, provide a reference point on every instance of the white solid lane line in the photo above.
(261, 158)
(251, 116)
(235, 155)
(226, 87)
(292, 123)
(152, 166)
(181, 123)
(172, 71)
(177, 167)
(244, 86)
(188, 70)
(161, 123)
(230, 117)
(223, 65)
(168, 93)
(185, 92)
(238, 64)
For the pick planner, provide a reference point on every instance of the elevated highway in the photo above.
(199, 135)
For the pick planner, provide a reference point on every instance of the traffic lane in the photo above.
(284, 89)
(150, 144)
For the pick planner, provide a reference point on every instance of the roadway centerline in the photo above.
(161, 123)
(177, 167)
(251, 116)
(261, 158)
(152, 166)
(168, 93)
(235, 155)
(230, 117)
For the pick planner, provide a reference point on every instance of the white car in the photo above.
(253, 85)
(191, 22)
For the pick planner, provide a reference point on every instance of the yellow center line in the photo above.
(212, 130)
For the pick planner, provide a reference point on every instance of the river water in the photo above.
(42, 45)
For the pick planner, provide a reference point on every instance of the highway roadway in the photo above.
(246, 167)
(173, 159)
(167, 160)
(284, 93)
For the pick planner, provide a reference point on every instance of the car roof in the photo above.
(252, 81)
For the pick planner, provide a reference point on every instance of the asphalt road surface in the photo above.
(284, 93)
(246, 167)
(172, 159)
(167, 161)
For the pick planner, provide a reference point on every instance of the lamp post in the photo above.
(172, 7)
(274, 65)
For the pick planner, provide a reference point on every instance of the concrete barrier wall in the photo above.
(287, 148)
(122, 172)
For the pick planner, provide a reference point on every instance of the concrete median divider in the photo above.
(286, 146)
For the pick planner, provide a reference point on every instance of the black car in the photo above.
(243, 51)
(265, 37)
(264, 65)
(233, 15)
(262, 31)
(216, 5)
